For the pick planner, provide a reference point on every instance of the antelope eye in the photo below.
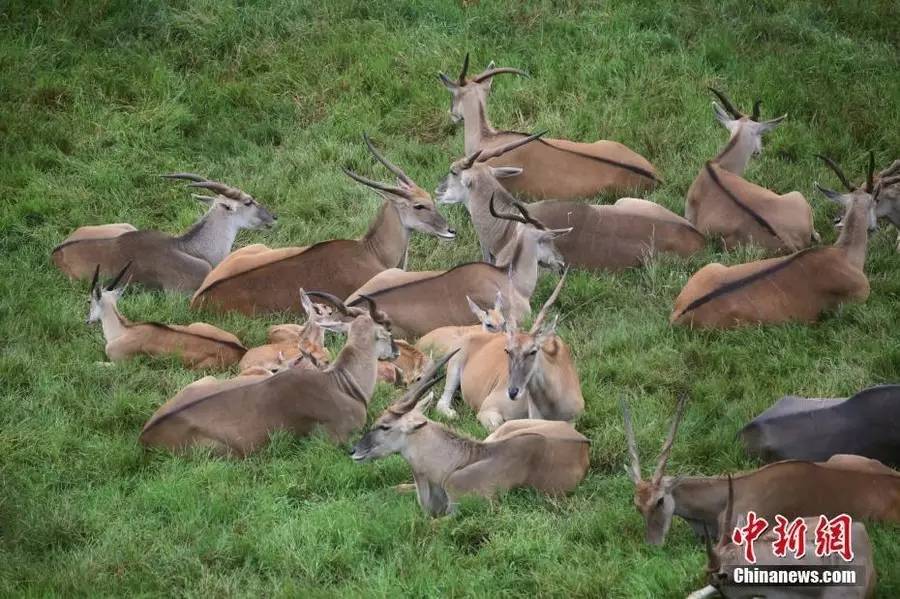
(532, 351)
(226, 207)
(382, 427)
(250, 203)
(420, 207)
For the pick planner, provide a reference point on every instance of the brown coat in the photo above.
(198, 345)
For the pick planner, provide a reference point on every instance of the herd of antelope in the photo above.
(525, 195)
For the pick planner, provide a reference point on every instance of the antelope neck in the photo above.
(387, 239)
(211, 237)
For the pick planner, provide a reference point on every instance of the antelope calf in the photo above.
(237, 416)
(797, 287)
(259, 279)
(603, 237)
(444, 340)
(551, 457)
(726, 556)
(553, 168)
(846, 484)
(198, 345)
(287, 342)
(160, 260)
(406, 368)
(722, 204)
(867, 424)
(539, 370)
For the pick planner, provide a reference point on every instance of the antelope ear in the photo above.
(832, 195)
(498, 301)
(548, 330)
(208, 200)
(476, 310)
(413, 421)
(766, 126)
(504, 172)
(486, 84)
(554, 233)
(448, 83)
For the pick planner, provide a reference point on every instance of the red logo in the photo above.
(791, 537)
(746, 535)
(835, 536)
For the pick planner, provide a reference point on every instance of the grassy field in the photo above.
(96, 98)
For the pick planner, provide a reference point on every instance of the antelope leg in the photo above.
(454, 372)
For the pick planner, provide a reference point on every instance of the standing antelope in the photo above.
(553, 168)
(198, 345)
(860, 487)
(259, 279)
(160, 260)
(722, 204)
(726, 556)
(539, 370)
(237, 416)
(603, 237)
(551, 457)
(444, 340)
(797, 287)
(424, 301)
(287, 342)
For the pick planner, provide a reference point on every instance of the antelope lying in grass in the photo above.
(160, 260)
(406, 368)
(237, 416)
(860, 487)
(722, 204)
(539, 370)
(553, 168)
(198, 345)
(287, 342)
(603, 237)
(726, 556)
(867, 424)
(447, 339)
(796, 287)
(420, 302)
(551, 457)
(259, 279)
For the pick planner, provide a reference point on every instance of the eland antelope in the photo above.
(406, 368)
(444, 340)
(603, 237)
(854, 485)
(288, 342)
(726, 556)
(419, 302)
(237, 416)
(722, 204)
(160, 260)
(800, 286)
(867, 424)
(549, 456)
(197, 345)
(553, 168)
(258, 279)
(539, 380)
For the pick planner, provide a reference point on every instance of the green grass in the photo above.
(98, 97)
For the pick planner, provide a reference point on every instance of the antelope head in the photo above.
(747, 130)
(471, 89)
(535, 232)
(414, 205)
(227, 202)
(861, 197)
(471, 173)
(887, 192)
(525, 351)
(362, 326)
(492, 320)
(103, 299)
(390, 433)
(653, 499)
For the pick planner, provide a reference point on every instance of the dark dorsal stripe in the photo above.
(745, 281)
(169, 329)
(608, 161)
(422, 281)
(747, 209)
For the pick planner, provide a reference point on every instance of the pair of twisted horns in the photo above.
(461, 80)
(200, 182)
(485, 155)
(115, 281)
(374, 312)
(870, 175)
(404, 179)
(525, 219)
(737, 114)
(634, 467)
(431, 376)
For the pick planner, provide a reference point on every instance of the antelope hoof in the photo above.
(447, 412)
(816, 237)
(491, 420)
(405, 488)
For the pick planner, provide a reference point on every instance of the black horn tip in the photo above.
(755, 115)
(96, 277)
(118, 278)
